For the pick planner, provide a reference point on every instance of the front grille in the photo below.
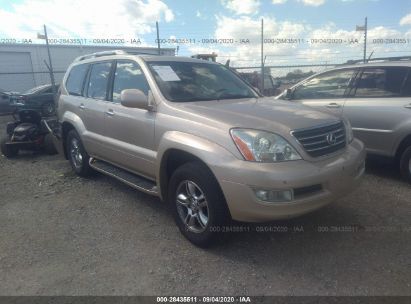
(322, 140)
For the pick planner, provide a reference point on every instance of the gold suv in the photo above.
(196, 135)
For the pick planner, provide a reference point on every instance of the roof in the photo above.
(379, 64)
(146, 57)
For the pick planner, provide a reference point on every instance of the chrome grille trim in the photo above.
(314, 140)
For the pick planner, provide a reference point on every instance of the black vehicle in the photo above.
(27, 132)
(40, 98)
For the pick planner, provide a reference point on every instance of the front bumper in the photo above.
(317, 184)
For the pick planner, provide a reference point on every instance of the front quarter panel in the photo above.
(212, 154)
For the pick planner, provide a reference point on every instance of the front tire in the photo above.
(198, 204)
(8, 151)
(405, 164)
(77, 155)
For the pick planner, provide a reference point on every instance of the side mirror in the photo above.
(134, 98)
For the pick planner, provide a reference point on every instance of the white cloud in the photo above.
(242, 7)
(406, 20)
(279, 1)
(313, 2)
(245, 27)
(84, 19)
(200, 15)
(327, 43)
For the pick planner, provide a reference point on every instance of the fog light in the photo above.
(274, 196)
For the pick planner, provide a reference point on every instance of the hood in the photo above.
(264, 113)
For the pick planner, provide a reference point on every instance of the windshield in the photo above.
(192, 81)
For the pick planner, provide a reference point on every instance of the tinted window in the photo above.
(328, 85)
(97, 86)
(128, 76)
(381, 82)
(197, 81)
(406, 90)
(75, 79)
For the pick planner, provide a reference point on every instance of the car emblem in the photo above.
(331, 139)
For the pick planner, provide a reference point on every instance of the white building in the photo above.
(22, 65)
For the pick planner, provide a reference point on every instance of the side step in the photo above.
(133, 180)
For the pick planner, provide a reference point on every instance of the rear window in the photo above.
(74, 83)
(381, 82)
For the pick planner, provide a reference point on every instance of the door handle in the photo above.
(82, 106)
(333, 105)
(110, 112)
(408, 106)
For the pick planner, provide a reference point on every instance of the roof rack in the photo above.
(111, 53)
(382, 59)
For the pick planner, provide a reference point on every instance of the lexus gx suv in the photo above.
(196, 135)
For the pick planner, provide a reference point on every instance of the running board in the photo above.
(133, 180)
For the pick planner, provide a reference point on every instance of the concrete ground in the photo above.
(64, 235)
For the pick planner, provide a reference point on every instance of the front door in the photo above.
(326, 91)
(130, 130)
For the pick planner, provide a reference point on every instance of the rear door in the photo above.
(377, 105)
(93, 106)
(130, 130)
(326, 91)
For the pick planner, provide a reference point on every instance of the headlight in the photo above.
(261, 146)
(350, 135)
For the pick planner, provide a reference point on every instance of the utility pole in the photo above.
(360, 28)
(158, 39)
(365, 39)
(262, 56)
(50, 65)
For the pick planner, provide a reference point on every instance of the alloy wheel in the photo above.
(75, 153)
(192, 206)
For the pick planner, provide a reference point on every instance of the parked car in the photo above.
(198, 136)
(6, 106)
(375, 97)
(40, 98)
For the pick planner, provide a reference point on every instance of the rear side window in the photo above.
(128, 76)
(381, 82)
(99, 76)
(328, 85)
(74, 83)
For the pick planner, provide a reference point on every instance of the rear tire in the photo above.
(405, 164)
(198, 205)
(49, 145)
(77, 155)
(6, 150)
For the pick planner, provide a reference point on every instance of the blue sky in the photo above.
(389, 21)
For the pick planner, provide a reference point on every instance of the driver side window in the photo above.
(328, 85)
(128, 76)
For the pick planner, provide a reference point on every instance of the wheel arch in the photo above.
(405, 142)
(178, 148)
